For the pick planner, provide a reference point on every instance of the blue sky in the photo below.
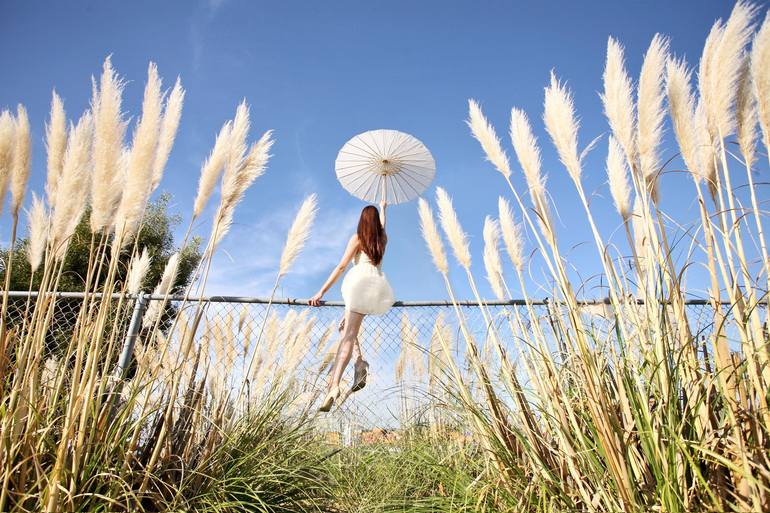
(320, 72)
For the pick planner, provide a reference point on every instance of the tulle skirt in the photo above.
(366, 290)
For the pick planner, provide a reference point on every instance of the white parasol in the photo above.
(385, 164)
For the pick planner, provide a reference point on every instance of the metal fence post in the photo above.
(133, 332)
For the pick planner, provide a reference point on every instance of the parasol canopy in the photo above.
(385, 164)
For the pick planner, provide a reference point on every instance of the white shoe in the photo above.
(332, 396)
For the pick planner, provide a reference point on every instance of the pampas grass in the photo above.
(109, 132)
(682, 107)
(483, 131)
(452, 229)
(618, 99)
(163, 288)
(746, 114)
(240, 171)
(492, 262)
(608, 405)
(136, 273)
(298, 233)
(172, 113)
(432, 237)
(617, 174)
(140, 166)
(56, 145)
(650, 110)
(706, 149)
(7, 144)
(238, 147)
(562, 126)
(212, 168)
(760, 73)
(66, 391)
(73, 185)
(511, 233)
(38, 232)
(527, 152)
(721, 67)
(437, 354)
(21, 160)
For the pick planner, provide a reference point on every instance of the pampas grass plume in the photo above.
(7, 145)
(172, 113)
(56, 144)
(760, 72)
(746, 114)
(234, 186)
(432, 237)
(38, 232)
(618, 178)
(73, 186)
(682, 105)
(511, 233)
(527, 151)
(483, 131)
(492, 263)
(140, 166)
(212, 168)
(618, 99)
(137, 272)
(21, 160)
(162, 289)
(706, 149)
(298, 233)
(238, 147)
(109, 131)
(721, 67)
(562, 126)
(650, 109)
(452, 229)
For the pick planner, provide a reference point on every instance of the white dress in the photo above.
(365, 289)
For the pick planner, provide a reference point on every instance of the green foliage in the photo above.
(156, 234)
(417, 472)
(265, 462)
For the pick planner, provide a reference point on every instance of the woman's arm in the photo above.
(382, 212)
(350, 251)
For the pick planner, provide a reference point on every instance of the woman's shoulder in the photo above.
(354, 243)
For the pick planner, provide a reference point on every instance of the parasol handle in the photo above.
(384, 190)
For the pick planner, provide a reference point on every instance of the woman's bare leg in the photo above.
(349, 340)
(357, 355)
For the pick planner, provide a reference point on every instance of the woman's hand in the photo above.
(382, 204)
(315, 300)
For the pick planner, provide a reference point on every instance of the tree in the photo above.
(155, 235)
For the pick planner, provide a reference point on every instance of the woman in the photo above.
(365, 290)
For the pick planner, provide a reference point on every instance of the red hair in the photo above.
(371, 234)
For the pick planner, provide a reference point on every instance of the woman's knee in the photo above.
(346, 344)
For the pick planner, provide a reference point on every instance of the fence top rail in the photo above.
(298, 302)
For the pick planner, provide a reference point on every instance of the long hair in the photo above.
(371, 234)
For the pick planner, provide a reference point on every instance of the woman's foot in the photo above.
(359, 377)
(331, 396)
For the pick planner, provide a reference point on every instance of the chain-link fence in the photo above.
(286, 339)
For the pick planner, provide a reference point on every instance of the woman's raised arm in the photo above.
(382, 212)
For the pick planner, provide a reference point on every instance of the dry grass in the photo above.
(645, 415)
(84, 433)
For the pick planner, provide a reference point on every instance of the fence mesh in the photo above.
(289, 340)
